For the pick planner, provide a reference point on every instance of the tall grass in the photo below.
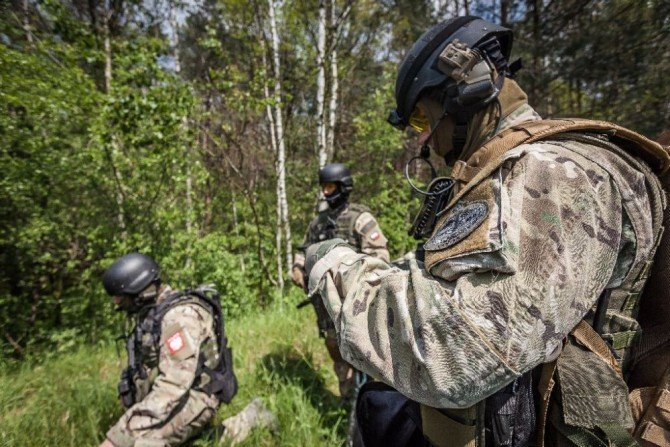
(71, 400)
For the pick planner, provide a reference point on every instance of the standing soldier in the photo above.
(525, 322)
(353, 223)
(179, 366)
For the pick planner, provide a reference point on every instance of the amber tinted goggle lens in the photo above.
(328, 188)
(418, 120)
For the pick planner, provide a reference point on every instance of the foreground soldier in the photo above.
(516, 326)
(179, 366)
(353, 223)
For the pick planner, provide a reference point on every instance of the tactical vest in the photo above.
(329, 224)
(341, 224)
(214, 373)
(612, 378)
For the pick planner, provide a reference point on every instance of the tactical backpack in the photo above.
(222, 382)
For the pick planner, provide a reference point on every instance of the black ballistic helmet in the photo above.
(339, 174)
(130, 275)
(419, 72)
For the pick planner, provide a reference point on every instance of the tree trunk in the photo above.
(279, 133)
(504, 12)
(321, 86)
(108, 50)
(533, 9)
(26, 24)
(273, 144)
(334, 85)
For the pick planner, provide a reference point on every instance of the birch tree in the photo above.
(273, 145)
(273, 9)
(107, 45)
(330, 27)
(322, 149)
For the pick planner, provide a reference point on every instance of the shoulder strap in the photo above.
(358, 209)
(490, 156)
(354, 212)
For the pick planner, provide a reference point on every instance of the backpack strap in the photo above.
(347, 220)
(222, 380)
(492, 154)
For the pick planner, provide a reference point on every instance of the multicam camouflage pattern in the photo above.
(255, 415)
(169, 410)
(566, 219)
(355, 224)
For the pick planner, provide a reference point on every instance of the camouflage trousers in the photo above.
(188, 422)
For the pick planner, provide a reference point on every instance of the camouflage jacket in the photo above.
(510, 271)
(168, 409)
(351, 222)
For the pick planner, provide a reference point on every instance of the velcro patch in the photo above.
(462, 221)
(175, 343)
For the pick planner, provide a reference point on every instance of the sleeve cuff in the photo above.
(331, 260)
(120, 438)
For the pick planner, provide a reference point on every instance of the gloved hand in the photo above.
(317, 251)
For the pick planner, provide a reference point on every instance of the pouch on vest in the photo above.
(387, 418)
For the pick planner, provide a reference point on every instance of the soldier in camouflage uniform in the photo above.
(536, 245)
(348, 221)
(174, 382)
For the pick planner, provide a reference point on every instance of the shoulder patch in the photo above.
(178, 342)
(175, 342)
(462, 221)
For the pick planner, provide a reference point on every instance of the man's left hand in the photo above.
(107, 443)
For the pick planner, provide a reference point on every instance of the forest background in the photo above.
(193, 131)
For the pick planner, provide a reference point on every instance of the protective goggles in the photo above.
(417, 121)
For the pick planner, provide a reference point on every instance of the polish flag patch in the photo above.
(175, 343)
(374, 236)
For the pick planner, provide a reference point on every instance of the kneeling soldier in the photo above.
(179, 366)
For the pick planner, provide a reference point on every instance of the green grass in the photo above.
(71, 400)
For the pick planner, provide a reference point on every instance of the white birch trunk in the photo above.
(273, 144)
(334, 85)
(108, 49)
(279, 133)
(321, 132)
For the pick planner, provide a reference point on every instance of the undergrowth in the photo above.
(70, 400)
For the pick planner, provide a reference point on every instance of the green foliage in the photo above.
(46, 192)
(71, 400)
